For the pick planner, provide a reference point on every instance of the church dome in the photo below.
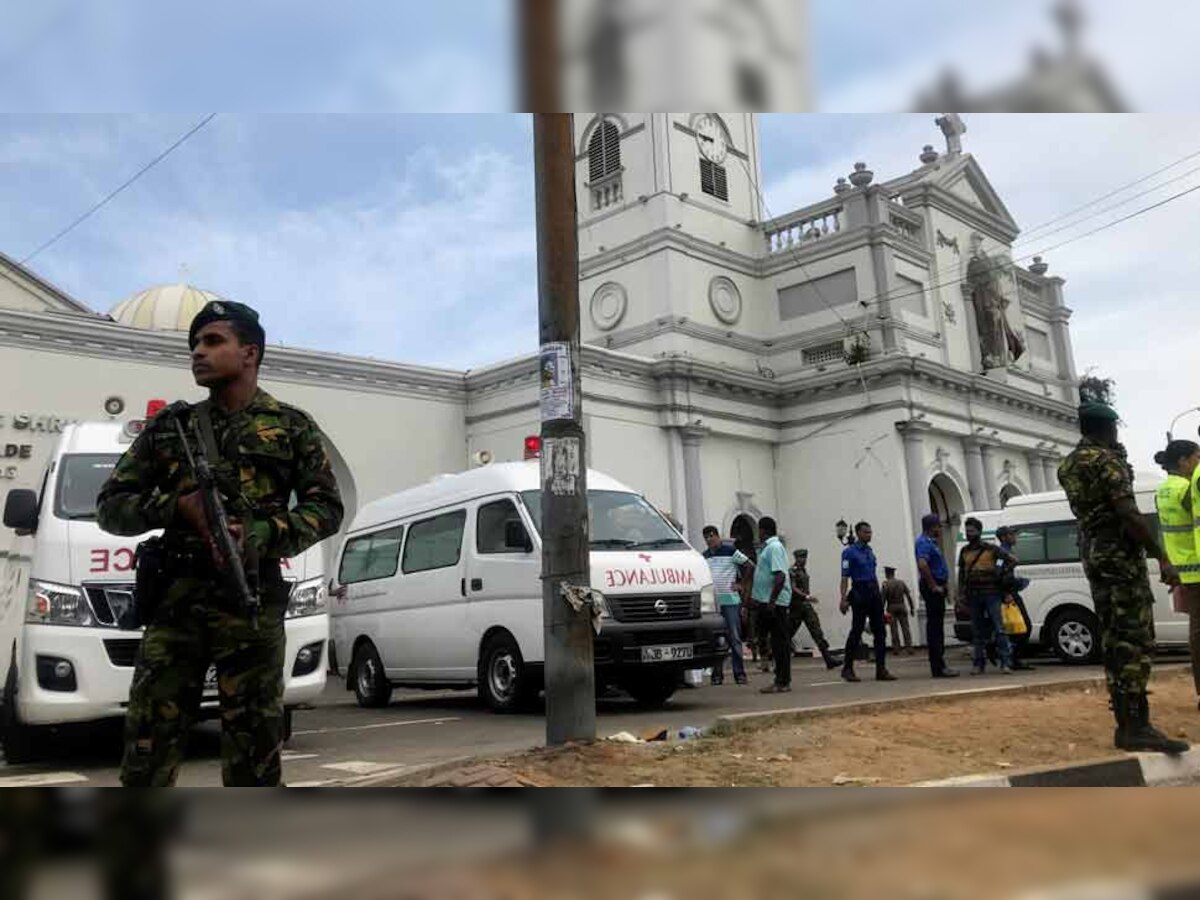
(165, 307)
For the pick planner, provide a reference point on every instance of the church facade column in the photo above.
(693, 483)
(976, 480)
(1050, 467)
(913, 433)
(990, 487)
(1037, 473)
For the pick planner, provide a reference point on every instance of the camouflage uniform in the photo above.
(268, 452)
(1096, 478)
(803, 612)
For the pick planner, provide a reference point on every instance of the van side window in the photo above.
(1031, 544)
(435, 543)
(1062, 542)
(371, 556)
(491, 522)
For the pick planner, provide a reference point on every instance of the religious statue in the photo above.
(999, 344)
(953, 128)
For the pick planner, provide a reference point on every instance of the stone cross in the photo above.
(953, 128)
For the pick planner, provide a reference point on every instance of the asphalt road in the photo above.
(336, 740)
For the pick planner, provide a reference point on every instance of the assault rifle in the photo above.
(234, 572)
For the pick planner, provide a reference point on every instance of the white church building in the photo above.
(842, 362)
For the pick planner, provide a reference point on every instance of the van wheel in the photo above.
(652, 691)
(1074, 636)
(17, 740)
(504, 683)
(287, 724)
(371, 686)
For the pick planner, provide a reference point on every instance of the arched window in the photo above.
(604, 151)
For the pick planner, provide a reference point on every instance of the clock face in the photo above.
(711, 139)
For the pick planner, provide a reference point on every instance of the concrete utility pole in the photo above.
(570, 678)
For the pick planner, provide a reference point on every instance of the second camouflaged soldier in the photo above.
(1114, 540)
(278, 486)
(804, 612)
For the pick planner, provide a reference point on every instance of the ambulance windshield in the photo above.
(618, 521)
(80, 477)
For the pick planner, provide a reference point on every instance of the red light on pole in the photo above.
(533, 447)
(154, 407)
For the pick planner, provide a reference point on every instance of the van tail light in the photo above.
(533, 447)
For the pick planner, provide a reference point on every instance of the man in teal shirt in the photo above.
(771, 589)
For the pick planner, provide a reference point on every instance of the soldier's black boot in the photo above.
(1139, 735)
(848, 672)
(882, 674)
(830, 661)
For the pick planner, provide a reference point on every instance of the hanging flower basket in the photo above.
(858, 352)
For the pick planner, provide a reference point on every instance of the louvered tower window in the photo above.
(604, 151)
(713, 180)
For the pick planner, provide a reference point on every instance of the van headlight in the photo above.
(599, 601)
(708, 599)
(58, 604)
(307, 598)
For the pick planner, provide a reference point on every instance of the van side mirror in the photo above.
(21, 511)
(516, 537)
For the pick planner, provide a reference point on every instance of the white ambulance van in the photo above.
(67, 585)
(440, 586)
(1058, 599)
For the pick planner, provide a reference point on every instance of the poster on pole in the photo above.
(558, 394)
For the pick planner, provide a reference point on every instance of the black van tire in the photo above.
(287, 724)
(17, 740)
(505, 683)
(652, 690)
(371, 686)
(1067, 630)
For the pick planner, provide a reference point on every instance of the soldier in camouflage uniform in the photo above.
(803, 612)
(1114, 540)
(269, 453)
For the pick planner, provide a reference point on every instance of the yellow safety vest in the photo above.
(1179, 526)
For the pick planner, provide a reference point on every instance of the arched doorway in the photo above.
(744, 533)
(349, 492)
(946, 500)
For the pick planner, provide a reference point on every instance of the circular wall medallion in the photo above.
(725, 300)
(608, 305)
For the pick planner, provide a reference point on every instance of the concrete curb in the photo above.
(751, 721)
(402, 776)
(1131, 770)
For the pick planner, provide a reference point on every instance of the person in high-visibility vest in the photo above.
(1178, 502)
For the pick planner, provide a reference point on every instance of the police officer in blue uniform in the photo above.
(860, 593)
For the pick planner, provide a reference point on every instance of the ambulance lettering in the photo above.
(620, 578)
(119, 560)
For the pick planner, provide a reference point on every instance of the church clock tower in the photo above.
(670, 208)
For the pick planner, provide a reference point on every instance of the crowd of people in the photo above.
(765, 602)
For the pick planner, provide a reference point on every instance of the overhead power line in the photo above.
(136, 175)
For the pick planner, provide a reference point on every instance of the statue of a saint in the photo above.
(998, 343)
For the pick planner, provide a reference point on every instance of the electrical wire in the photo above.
(129, 181)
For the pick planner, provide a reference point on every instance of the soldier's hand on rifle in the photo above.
(190, 508)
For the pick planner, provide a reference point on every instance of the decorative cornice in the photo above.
(950, 203)
(88, 336)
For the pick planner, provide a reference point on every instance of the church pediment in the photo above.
(22, 290)
(967, 181)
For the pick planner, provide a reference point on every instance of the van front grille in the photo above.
(122, 652)
(668, 608)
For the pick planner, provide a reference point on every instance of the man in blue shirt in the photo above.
(771, 589)
(725, 561)
(860, 592)
(934, 576)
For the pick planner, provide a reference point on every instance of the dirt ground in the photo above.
(899, 746)
(945, 846)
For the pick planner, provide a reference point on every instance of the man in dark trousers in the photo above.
(804, 611)
(860, 592)
(934, 578)
(271, 467)
(772, 591)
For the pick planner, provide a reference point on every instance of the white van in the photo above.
(76, 666)
(1058, 600)
(440, 586)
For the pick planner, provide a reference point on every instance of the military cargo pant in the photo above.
(804, 613)
(1125, 608)
(188, 633)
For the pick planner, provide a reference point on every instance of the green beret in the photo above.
(1098, 412)
(225, 311)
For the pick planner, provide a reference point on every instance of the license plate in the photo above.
(210, 681)
(668, 653)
